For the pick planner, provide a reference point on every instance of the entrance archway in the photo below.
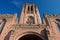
(30, 37)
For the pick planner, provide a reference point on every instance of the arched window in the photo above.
(8, 35)
(2, 25)
(31, 8)
(28, 8)
(30, 20)
(58, 24)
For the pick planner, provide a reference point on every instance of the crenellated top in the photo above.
(7, 15)
(52, 15)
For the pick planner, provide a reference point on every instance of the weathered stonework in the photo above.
(30, 24)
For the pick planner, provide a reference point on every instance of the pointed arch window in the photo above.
(30, 9)
(2, 24)
(58, 24)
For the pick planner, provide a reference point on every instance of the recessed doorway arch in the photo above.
(30, 36)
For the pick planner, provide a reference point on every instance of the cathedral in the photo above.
(29, 26)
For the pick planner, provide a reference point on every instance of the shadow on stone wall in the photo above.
(44, 34)
(8, 35)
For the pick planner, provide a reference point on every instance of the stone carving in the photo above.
(30, 20)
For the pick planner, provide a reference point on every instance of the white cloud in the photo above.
(15, 3)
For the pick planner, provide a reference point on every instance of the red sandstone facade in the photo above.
(30, 25)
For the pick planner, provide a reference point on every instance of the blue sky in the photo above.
(15, 6)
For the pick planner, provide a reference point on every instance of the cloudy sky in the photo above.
(15, 6)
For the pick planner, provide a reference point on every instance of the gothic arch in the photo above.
(29, 33)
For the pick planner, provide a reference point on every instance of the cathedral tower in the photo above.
(30, 15)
